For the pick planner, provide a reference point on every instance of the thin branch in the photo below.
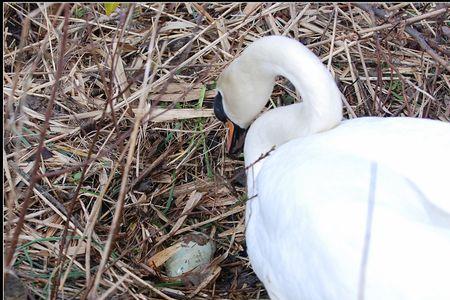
(37, 160)
(384, 15)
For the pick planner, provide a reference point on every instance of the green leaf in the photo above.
(201, 97)
(79, 12)
(211, 86)
(206, 152)
(76, 176)
(110, 7)
(172, 188)
(169, 284)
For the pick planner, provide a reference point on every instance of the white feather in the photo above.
(308, 208)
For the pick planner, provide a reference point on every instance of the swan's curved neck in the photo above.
(320, 110)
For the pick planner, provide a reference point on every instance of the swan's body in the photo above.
(306, 228)
(307, 213)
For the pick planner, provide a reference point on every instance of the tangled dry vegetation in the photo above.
(111, 151)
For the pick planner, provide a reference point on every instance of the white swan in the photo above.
(358, 209)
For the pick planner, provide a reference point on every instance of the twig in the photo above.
(423, 43)
(381, 13)
(409, 21)
(37, 161)
(148, 78)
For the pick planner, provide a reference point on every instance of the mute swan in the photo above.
(358, 209)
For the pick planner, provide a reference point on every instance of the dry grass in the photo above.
(116, 183)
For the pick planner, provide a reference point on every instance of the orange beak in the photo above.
(230, 135)
(235, 138)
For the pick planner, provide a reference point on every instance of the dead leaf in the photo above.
(250, 7)
(164, 115)
(161, 257)
(193, 200)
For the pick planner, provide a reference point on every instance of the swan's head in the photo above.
(243, 89)
(236, 134)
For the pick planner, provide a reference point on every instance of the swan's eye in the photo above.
(218, 108)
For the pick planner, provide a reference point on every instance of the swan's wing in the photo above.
(307, 228)
(418, 149)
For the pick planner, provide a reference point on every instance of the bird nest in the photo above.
(111, 150)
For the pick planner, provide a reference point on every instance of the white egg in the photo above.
(196, 250)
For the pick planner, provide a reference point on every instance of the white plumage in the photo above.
(307, 217)
(306, 228)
